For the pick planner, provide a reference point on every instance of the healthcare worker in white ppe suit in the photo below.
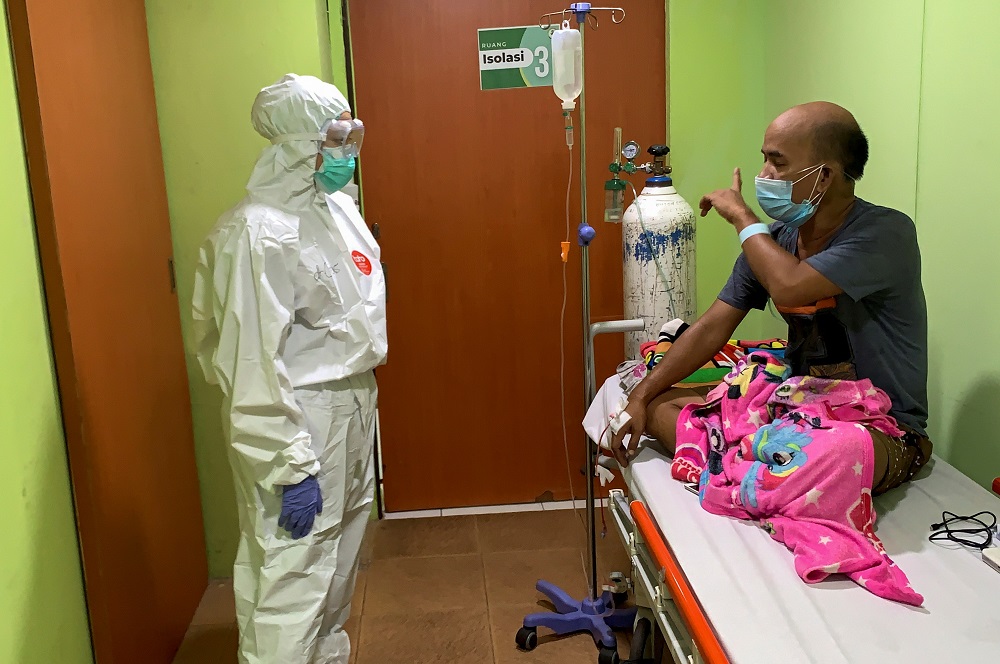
(289, 307)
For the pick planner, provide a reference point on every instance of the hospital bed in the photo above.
(721, 590)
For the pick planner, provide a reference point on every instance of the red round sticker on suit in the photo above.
(362, 262)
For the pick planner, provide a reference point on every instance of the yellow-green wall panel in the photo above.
(716, 120)
(41, 582)
(959, 234)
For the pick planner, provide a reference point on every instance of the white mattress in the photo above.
(764, 613)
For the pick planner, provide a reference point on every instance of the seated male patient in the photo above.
(843, 272)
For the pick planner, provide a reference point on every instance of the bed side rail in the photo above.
(702, 634)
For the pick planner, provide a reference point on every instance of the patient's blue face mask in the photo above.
(775, 198)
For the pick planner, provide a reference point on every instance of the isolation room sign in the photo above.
(515, 57)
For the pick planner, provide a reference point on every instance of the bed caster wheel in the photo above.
(527, 638)
(619, 599)
(608, 656)
(640, 638)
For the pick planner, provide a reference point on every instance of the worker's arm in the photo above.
(790, 282)
(248, 295)
(694, 348)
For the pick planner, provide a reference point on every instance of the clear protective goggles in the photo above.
(342, 138)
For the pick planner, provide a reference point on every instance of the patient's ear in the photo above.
(825, 179)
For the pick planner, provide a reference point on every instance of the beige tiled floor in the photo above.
(446, 589)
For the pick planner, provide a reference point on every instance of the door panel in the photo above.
(469, 191)
(86, 95)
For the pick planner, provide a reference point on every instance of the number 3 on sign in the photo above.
(542, 68)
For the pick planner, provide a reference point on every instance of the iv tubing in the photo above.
(562, 341)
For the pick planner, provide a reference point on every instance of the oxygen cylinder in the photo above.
(658, 233)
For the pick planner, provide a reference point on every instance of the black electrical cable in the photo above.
(977, 533)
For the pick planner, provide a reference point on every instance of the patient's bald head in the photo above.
(819, 132)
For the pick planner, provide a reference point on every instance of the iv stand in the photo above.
(596, 613)
(588, 360)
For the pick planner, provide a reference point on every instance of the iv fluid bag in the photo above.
(567, 64)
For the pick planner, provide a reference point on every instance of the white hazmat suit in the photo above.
(289, 310)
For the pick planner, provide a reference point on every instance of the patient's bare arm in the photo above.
(655, 403)
(662, 413)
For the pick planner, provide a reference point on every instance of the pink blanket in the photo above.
(795, 455)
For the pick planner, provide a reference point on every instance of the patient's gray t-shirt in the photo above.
(878, 329)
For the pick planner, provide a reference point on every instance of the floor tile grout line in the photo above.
(481, 553)
(489, 610)
(357, 646)
(563, 505)
(479, 539)
(486, 590)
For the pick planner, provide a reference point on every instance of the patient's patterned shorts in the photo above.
(906, 456)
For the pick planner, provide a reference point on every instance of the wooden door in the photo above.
(469, 191)
(85, 90)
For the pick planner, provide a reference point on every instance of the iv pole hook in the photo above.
(617, 16)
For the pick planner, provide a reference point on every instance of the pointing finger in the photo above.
(705, 205)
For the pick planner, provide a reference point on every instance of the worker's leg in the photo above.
(250, 555)
(246, 571)
(291, 593)
(662, 413)
(356, 434)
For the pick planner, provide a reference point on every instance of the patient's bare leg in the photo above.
(662, 413)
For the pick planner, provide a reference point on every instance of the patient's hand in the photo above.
(729, 204)
(634, 429)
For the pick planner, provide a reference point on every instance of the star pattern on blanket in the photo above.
(820, 526)
(812, 496)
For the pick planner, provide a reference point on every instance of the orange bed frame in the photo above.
(697, 623)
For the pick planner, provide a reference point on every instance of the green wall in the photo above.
(959, 234)
(41, 584)
(209, 61)
(866, 57)
(919, 77)
(716, 112)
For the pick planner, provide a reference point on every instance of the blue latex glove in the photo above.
(300, 503)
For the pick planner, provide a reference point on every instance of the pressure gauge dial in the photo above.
(630, 150)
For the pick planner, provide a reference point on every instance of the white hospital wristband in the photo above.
(751, 230)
